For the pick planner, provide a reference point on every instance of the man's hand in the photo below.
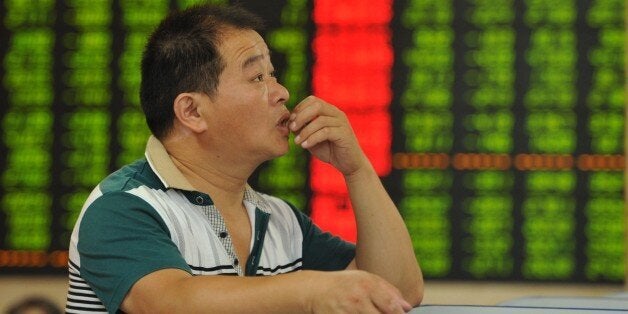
(325, 131)
(382, 236)
(354, 291)
(347, 291)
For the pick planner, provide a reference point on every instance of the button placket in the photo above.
(217, 224)
(199, 200)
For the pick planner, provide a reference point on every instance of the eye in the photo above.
(260, 77)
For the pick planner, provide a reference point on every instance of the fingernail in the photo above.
(297, 139)
(293, 126)
(406, 305)
(304, 144)
(293, 116)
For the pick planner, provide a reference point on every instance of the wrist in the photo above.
(309, 295)
(364, 172)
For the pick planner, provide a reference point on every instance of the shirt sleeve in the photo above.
(122, 239)
(322, 250)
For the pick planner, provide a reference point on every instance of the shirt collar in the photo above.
(161, 163)
(256, 199)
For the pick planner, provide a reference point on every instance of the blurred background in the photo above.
(496, 125)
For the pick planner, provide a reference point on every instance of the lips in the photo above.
(284, 119)
(283, 123)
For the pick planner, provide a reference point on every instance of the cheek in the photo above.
(247, 110)
(245, 123)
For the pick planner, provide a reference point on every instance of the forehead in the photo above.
(239, 45)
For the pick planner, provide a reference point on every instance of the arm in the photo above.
(383, 247)
(175, 291)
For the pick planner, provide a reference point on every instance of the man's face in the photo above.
(247, 114)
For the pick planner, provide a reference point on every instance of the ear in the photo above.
(188, 113)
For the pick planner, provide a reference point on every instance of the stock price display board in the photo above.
(496, 125)
(70, 111)
(509, 128)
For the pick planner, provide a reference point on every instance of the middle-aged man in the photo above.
(154, 236)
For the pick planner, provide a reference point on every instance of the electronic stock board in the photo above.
(497, 126)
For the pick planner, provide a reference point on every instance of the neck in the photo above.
(223, 178)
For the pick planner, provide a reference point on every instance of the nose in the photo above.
(280, 94)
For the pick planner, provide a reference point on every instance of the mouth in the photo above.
(283, 123)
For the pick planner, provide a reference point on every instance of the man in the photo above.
(149, 231)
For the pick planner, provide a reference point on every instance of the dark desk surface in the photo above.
(612, 303)
(479, 309)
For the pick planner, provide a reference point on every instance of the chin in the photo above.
(276, 148)
(275, 153)
(284, 150)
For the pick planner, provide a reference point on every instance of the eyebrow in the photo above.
(249, 61)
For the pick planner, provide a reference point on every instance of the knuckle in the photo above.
(366, 284)
(317, 106)
(391, 307)
(350, 303)
(340, 112)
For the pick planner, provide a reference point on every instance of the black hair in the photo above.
(182, 56)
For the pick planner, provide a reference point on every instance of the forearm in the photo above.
(172, 291)
(351, 291)
(383, 246)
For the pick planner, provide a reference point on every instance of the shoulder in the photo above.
(134, 185)
(128, 194)
(131, 176)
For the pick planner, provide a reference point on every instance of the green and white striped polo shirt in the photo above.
(146, 216)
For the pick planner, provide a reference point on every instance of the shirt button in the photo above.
(236, 262)
(223, 234)
(199, 200)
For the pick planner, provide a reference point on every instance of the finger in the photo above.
(402, 301)
(406, 306)
(304, 103)
(321, 135)
(388, 302)
(369, 307)
(315, 125)
(310, 110)
(390, 299)
(305, 115)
